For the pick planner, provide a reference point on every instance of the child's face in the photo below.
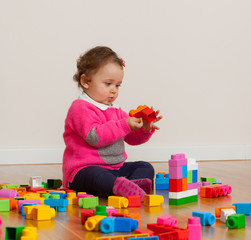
(103, 86)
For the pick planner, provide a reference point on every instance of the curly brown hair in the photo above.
(90, 62)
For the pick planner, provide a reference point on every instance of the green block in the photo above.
(46, 195)
(101, 210)
(208, 179)
(173, 201)
(236, 221)
(24, 185)
(90, 202)
(54, 183)
(4, 205)
(19, 198)
(190, 176)
(44, 185)
(9, 186)
(55, 196)
(13, 233)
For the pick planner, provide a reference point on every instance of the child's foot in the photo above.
(124, 187)
(145, 184)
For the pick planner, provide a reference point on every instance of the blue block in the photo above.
(144, 238)
(195, 176)
(26, 204)
(107, 224)
(243, 208)
(162, 186)
(206, 218)
(59, 204)
(125, 224)
(184, 171)
(62, 195)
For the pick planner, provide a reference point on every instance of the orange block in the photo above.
(184, 184)
(218, 210)
(137, 113)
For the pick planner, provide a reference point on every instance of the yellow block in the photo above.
(118, 202)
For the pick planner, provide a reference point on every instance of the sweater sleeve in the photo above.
(88, 123)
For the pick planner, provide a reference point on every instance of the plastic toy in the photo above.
(80, 198)
(39, 212)
(85, 214)
(215, 190)
(29, 233)
(4, 205)
(162, 181)
(8, 193)
(27, 204)
(36, 182)
(167, 220)
(194, 228)
(243, 208)
(134, 201)
(143, 111)
(101, 210)
(168, 232)
(90, 202)
(59, 204)
(21, 202)
(211, 180)
(135, 216)
(144, 230)
(93, 223)
(54, 183)
(13, 232)
(206, 218)
(72, 198)
(218, 210)
(118, 202)
(111, 210)
(125, 224)
(145, 238)
(123, 237)
(225, 213)
(153, 200)
(107, 225)
(236, 221)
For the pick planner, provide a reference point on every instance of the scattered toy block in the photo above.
(206, 218)
(54, 183)
(118, 202)
(162, 181)
(107, 225)
(21, 202)
(211, 180)
(243, 208)
(134, 201)
(29, 233)
(218, 210)
(13, 232)
(153, 200)
(122, 224)
(225, 213)
(43, 212)
(236, 221)
(90, 202)
(123, 237)
(168, 220)
(111, 210)
(4, 205)
(101, 210)
(93, 223)
(85, 214)
(144, 230)
(8, 193)
(194, 228)
(59, 204)
(35, 182)
(135, 216)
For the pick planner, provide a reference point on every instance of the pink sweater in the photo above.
(95, 137)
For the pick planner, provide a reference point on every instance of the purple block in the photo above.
(177, 160)
(21, 202)
(175, 172)
(8, 193)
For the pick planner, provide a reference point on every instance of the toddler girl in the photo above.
(95, 131)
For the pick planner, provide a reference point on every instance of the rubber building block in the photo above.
(54, 183)
(243, 208)
(21, 202)
(8, 193)
(144, 230)
(148, 114)
(175, 172)
(13, 232)
(122, 237)
(175, 185)
(208, 179)
(93, 223)
(177, 160)
(29, 233)
(236, 221)
(85, 214)
(125, 224)
(118, 202)
(206, 218)
(225, 213)
(137, 113)
(194, 228)
(107, 225)
(101, 210)
(111, 210)
(185, 200)
(134, 201)
(59, 204)
(153, 200)
(167, 220)
(4, 205)
(218, 210)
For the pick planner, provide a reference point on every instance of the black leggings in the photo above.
(99, 181)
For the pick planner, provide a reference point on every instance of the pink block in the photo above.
(177, 160)
(205, 184)
(21, 202)
(8, 193)
(111, 211)
(194, 228)
(195, 185)
(175, 172)
(167, 220)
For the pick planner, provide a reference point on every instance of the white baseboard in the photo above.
(146, 153)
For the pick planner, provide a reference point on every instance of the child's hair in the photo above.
(90, 62)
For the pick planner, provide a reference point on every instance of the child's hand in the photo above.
(149, 126)
(135, 123)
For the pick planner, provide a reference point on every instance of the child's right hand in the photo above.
(134, 123)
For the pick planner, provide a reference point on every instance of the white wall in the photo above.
(190, 59)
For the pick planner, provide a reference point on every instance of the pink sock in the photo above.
(145, 184)
(124, 187)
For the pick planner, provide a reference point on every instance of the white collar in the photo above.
(101, 106)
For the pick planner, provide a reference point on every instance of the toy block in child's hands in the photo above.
(143, 111)
(153, 200)
(134, 201)
(118, 202)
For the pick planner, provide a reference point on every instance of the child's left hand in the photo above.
(150, 126)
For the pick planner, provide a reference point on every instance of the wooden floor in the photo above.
(67, 225)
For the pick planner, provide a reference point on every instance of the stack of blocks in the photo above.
(178, 182)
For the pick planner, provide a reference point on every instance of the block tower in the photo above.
(178, 181)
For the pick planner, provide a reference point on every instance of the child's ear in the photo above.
(84, 81)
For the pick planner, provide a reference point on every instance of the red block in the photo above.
(175, 185)
(149, 115)
(134, 201)
(144, 230)
(85, 214)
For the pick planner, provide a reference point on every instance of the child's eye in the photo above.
(108, 83)
(118, 85)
